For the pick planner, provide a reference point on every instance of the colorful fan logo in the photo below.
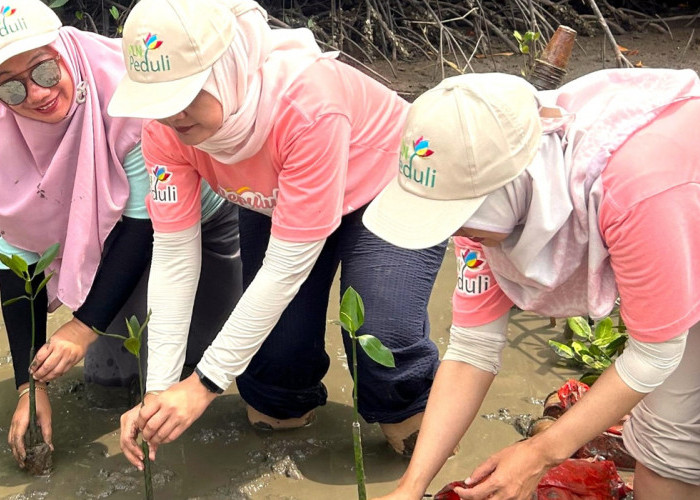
(160, 174)
(420, 146)
(151, 42)
(472, 260)
(7, 11)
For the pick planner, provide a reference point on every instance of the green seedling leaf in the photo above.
(616, 345)
(562, 350)
(44, 282)
(352, 310)
(10, 264)
(524, 49)
(79, 15)
(58, 3)
(113, 335)
(580, 348)
(133, 345)
(604, 328)
(46, 258)
(579, 325)
(518, 36)
(598, 353)
(21, 264)
(16, 299)
(589, 378)
(28, 288)
(374, 348)
(134, 327)
(114, 12)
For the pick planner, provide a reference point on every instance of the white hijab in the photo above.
(250, 79)
(555, 261)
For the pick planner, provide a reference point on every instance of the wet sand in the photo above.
(222, 457)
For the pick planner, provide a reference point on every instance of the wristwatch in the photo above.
(207, 382)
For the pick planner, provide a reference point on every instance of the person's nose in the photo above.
(36, 93)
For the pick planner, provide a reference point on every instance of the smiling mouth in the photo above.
(48, 105)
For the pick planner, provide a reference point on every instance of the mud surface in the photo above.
(222, 456)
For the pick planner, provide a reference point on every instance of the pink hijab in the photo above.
(64, 183)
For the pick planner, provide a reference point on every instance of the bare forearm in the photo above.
(455, 398)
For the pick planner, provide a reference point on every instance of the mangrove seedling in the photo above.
(527, 43)
(593, 349)
(38, 457)
(133, 344)
(352, 316)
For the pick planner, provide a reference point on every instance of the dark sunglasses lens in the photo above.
(47, 74)
(13, 92)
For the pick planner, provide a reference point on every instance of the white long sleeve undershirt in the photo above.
(285, 267)
(479, 346)
(644, 366)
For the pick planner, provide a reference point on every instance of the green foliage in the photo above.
(526, 41)
(527, 44)
(352, 316)
(20, 267)
(593, 349)
(133, 343)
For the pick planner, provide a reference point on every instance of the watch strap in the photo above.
(208, 383)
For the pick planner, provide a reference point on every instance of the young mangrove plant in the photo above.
(593, 349)
(352, 316)
(527, 44)
(38, 456)
(133, 344)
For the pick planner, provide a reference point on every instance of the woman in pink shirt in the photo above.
(302, 143)
(575, 197)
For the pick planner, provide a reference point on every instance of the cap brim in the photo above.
(155, 100)
(26, 44)
(410, 221)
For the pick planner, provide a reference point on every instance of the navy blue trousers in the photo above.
(284, 379)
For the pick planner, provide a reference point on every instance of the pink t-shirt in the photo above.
(333, 147)
(649, 218)
(650, 221)
(477, 298)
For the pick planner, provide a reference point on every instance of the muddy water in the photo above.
(221, 456)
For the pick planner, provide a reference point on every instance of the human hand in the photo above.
(165, 418)
(511, 474)
(20, 422)
(62, 351)
(129, 433)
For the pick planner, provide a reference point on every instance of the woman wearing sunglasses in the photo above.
(72, 175)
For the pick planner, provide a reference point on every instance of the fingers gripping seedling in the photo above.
(133, 343)
(38, 458)
(352, 316)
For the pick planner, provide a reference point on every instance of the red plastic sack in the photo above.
(574, 479)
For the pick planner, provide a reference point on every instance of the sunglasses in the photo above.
(46, 74)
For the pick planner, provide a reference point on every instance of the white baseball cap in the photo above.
(26, 25)
(169, 49)
(462, 140)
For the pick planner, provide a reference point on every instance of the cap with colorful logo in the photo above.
(463, 139)
(169, 49)
(26, 25)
